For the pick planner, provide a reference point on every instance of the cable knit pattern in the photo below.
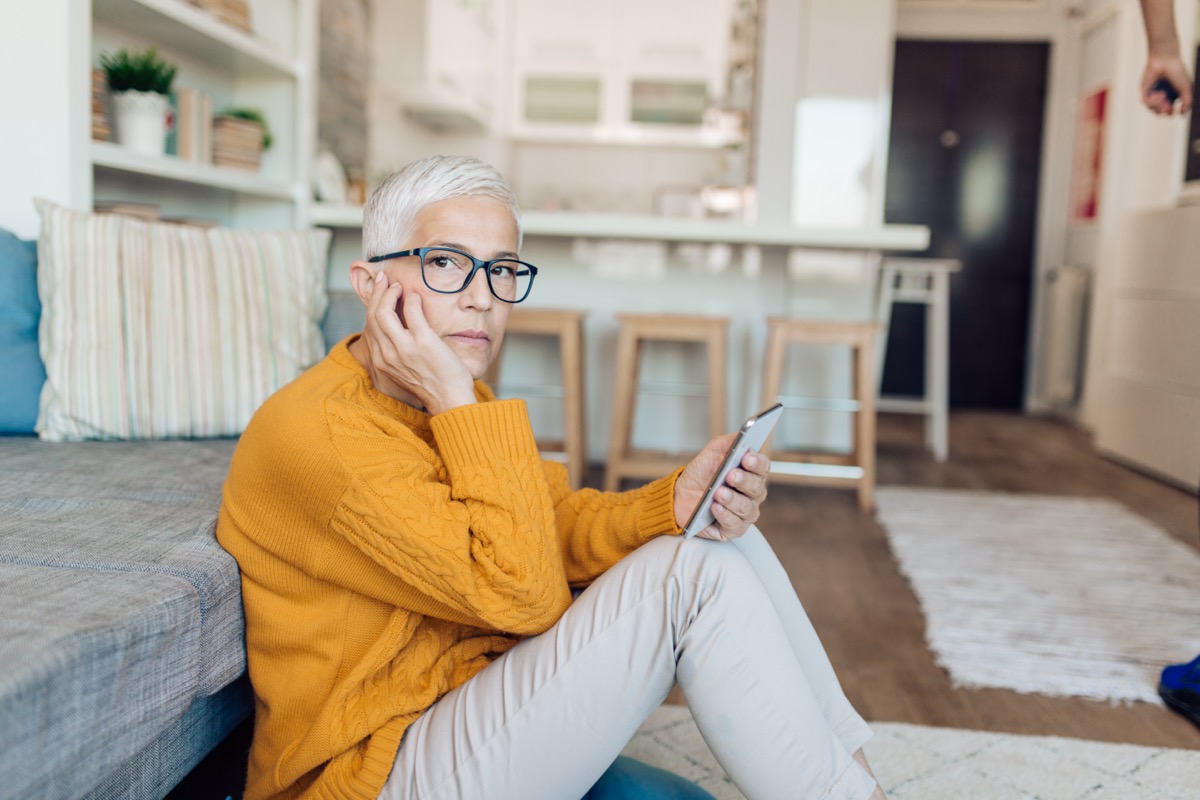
(387, 556)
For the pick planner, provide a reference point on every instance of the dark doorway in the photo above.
(964, 158)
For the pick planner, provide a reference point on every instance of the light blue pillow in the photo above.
(21, 370)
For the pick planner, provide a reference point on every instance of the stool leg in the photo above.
(772, 373)
(570, 351)
(864, 445)
(716, 384)
(937, 366)
(883, 315)
(624, 400)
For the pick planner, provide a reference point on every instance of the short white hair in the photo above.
(391, 211)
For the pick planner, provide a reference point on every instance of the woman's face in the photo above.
(472, 321)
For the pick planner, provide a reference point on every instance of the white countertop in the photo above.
(682, 229)
(576, 225)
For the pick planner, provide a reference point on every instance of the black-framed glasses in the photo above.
(449, 271)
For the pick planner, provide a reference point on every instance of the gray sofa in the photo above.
(122, 654)
(122, 642)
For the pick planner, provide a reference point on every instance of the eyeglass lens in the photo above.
(449, 271)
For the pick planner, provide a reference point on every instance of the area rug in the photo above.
(1064, 596)
(914, 762)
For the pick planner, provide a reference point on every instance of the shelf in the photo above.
(112, 156)
(335, 215)
(178, 26)
(630, 135)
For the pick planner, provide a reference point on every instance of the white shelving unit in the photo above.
(273, 69)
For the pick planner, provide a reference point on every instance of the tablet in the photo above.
(752, 436)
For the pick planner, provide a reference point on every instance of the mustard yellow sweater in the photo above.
(387, 556)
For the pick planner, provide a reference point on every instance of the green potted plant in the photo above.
(139, 83)
(240, 135)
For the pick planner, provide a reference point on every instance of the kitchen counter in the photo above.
(579, 225)
(683, 229)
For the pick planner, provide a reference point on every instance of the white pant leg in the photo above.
(846, 722)
(548, 717)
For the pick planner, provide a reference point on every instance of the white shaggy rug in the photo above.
(914, 762)
(1063, 596)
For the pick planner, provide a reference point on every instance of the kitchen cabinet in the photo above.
(629, 71)
(436, 61)
(272, 67)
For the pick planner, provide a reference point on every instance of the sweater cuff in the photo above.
(658, 514)
(485, 433)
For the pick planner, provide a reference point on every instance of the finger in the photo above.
(757, 463)
(414, 315)
(383, 310)
(750, 484)
(729, 524)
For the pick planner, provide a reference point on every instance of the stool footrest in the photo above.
(905, 405)
(820, 403)
(675, 389)
(810, 470)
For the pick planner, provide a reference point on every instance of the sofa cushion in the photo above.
(152, 330)
(124, 507)
(93, 667)
(19, 312)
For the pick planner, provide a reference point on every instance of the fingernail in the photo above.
(379, 276)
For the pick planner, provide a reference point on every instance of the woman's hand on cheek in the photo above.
(408, 355)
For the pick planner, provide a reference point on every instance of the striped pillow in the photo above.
(153, 331)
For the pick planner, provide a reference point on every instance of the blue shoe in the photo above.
(1179, 688)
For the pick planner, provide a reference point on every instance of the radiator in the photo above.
(1067, 290)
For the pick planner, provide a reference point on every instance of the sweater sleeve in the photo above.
(470, 539)
(598, 529)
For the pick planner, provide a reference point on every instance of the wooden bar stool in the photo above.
(857, 468)
(925, 281)
(566, 326)
(634, 329)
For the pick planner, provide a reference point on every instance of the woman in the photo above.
(408, 561)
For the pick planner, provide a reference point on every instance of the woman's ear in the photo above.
(361, 275)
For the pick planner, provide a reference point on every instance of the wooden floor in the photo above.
(870, 621)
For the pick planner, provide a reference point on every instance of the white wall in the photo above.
(41, 135)
(1141, 396)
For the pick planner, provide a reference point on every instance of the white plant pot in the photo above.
(141, 119)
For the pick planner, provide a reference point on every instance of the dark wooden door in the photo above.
(1192, 166)
(964, 158)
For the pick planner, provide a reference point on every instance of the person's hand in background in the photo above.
(1164, 62)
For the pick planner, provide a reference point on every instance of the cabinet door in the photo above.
(461, 51)
(676, 39)
(566, 34)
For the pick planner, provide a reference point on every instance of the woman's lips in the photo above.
(471, 338)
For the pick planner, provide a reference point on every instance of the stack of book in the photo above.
(100, 127)
(237, 143)
(231, 12)
(143, 211)
(193, 124)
